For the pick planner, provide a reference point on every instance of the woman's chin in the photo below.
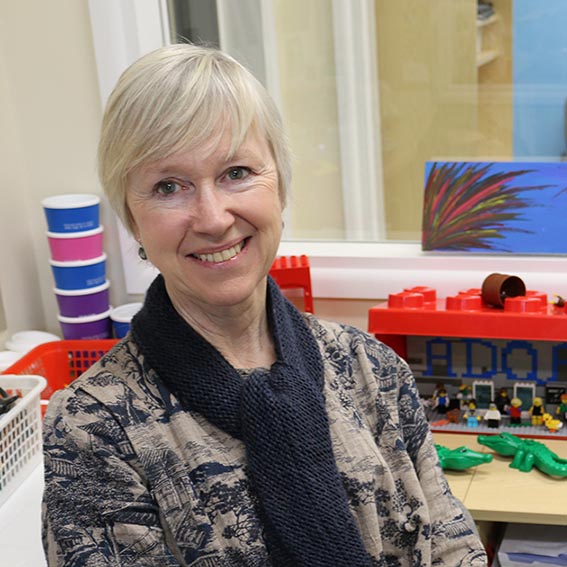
(227, 294)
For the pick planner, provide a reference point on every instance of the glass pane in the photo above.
(466, 80)
(194, 21)
(308, 93)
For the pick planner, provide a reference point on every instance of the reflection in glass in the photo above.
(445, 83)
(193, 21)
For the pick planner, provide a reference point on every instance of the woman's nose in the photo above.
(211, 214)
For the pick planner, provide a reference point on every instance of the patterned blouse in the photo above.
(133, 479)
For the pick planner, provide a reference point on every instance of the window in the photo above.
(370, 91)
(326, 91)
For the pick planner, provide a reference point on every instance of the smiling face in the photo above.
(210, 224)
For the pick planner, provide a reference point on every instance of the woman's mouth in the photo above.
(222, 255)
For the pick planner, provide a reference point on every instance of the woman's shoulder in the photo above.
(121, 363)
(332, 330)
(354, 357)
(350, 340)
(110, 381)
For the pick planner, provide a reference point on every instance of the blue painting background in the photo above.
(545, 218)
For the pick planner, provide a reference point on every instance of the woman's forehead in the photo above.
(221, 147)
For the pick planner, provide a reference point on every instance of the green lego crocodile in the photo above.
(461, 458)
(527, 453)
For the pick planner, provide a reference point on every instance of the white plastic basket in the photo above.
(20, 432)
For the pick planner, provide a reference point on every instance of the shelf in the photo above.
(485, 57)
(418, 312)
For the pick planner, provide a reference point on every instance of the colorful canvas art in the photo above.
(495, 207)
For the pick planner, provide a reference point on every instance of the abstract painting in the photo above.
(495, 207)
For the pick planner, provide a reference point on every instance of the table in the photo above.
(20, 524)
(494, 492)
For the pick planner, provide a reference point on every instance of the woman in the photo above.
(228, 429)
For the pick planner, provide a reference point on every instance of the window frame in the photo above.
(122, 31)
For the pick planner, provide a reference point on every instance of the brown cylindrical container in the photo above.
(497, 287)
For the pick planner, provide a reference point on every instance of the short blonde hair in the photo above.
(177, 97)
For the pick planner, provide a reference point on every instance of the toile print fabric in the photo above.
(132, 479)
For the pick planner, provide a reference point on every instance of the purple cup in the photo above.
(82, 302)
(91, 327)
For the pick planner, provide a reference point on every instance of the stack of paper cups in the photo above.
(78, 264)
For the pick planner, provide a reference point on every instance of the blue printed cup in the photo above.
(79, 275)
(71, 213)
(121, 317)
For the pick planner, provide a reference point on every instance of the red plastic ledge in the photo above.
(417, 311)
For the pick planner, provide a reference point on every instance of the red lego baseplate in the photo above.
(294, 272)
(417, 311)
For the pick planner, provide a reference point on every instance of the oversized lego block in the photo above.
(294, 272)
(417, 311)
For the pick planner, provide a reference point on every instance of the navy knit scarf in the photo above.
(281, 418)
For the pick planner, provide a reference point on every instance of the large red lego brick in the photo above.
(294, 272)
(417, 311)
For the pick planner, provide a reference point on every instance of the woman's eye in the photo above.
(237, 173)
(167, 187)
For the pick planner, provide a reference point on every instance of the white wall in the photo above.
(49, 113)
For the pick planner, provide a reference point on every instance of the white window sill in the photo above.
(373, 270)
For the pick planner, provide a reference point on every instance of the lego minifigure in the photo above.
(493, 416)
(464, 395)
(471, 416)
(536, 411)
(503, 400)
(438, 387)
(561, 410)
(515, 411)
(441, 402)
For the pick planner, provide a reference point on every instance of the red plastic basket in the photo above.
(60, 362)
